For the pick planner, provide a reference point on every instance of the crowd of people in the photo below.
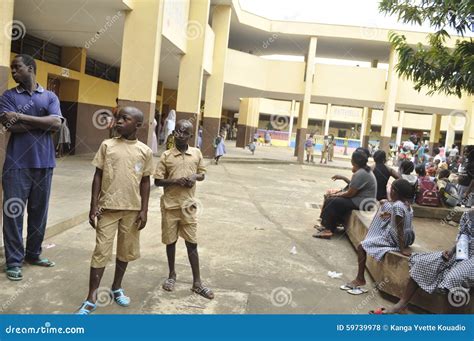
(392, 229)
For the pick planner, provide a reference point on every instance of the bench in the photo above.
(441, 213)
(392, 273)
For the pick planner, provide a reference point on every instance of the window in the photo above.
(102, 70)
(38, 48)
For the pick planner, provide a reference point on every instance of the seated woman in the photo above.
(391, 230)
(382, 174)
(362, 188)
(439, 271)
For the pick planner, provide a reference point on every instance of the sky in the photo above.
(344, 12)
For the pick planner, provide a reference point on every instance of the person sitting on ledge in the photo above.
(390, 230)
(441, 271)
(382, 174)
(361, 192)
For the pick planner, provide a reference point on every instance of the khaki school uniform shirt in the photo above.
(174, 165)
(123, 163)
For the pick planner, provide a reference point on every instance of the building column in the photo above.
(247, 124)
(139, 70)
(435, 132)
(191, 68)
(215, 82)
(367, 124)
(304, 107)
(290, 124)
(390, 101)
(401, 118)
(468, 132)
(6, 18)
(328, 119)
(450, 134)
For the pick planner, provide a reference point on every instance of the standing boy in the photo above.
(177, 172)
(120, 192)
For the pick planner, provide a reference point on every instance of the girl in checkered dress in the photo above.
(439, 271)
(390, 230)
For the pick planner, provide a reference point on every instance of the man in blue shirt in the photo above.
(30, 113)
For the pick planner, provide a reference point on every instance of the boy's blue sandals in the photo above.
(120, 298)
(86, 308)
(14, 273)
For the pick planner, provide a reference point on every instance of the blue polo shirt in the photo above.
(35, 148)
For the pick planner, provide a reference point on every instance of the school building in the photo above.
(208, 60)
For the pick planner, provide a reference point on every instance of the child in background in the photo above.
(309, 146)
(120, 192)
(220, 147)
(324, 150)
(447, 191)
(253, 146)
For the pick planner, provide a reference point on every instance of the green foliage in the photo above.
(437, 67)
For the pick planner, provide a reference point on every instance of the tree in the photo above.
(442, 69)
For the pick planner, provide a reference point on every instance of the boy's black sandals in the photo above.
(168, 285)
(204, 292)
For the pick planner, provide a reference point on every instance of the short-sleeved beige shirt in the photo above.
(123, 163)
(174, 165)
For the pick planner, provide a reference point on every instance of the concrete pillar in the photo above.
(390, 101)
(139, 70)
(450, 134)
(435, 131)
(367, 127)
(367, 119)
(401, 117)
(468, 132)
(247, 124)
(290, 124)
(304, 107)
(191, 68)
(328, 119)
(215, 82)
(74, 58)
(6, 18)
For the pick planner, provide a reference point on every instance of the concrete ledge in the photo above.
(392, 273)
(441, 213)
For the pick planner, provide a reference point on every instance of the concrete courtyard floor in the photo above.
(251, 216)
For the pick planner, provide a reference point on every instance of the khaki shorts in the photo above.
(178, 222)
(128, 239)
(310, 150)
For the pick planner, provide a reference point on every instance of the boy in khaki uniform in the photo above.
(120, 192)
(177, 172)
